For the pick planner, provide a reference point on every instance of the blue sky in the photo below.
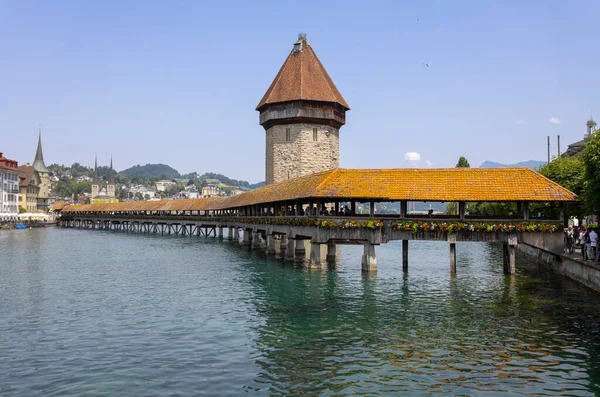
(177, 82)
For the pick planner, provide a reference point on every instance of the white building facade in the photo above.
(9, 189)
(164, 185)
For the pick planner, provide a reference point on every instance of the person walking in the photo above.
(598, 245)
(581, 241)
(569, 239)
(588, 244)
(593, 245)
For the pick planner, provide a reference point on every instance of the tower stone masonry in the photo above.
(302, 113)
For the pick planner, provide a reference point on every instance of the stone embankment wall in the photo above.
(581, 271)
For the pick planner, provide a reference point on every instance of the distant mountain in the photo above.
(160, 171)
(533, 164)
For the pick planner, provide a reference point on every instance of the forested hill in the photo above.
(162, 171)
(230, 182)
(148, 171)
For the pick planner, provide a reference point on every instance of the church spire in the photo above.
(111, 173)
(96, 168)
(38, 163)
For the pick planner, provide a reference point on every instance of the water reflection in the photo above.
(475, 334)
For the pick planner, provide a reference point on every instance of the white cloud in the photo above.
(413, 160)
(521, 122)
(554, 120)
(412, 156)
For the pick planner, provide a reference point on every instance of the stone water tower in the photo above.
(302, 113)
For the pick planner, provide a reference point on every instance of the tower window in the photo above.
(314, 134)
(287, 134)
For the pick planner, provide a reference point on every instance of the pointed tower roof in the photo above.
(111, 173)
(38, 163)
(95, 179)
(591, 123)
(302, 77)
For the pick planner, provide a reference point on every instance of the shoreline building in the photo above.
(10, 175)
(29, 188)
(576, 147)
(103, 192)
(302, 113)
(40, 167)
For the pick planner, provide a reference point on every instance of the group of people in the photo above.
(587, 238)
(312, 211)
(344, 211)
(9, 220)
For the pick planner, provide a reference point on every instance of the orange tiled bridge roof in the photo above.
(410, 184)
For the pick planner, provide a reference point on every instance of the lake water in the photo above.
(98, 313)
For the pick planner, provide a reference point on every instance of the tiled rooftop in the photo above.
(410, 184)
(302, 77)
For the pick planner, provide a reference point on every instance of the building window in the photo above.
(314, 134)
(287, 134)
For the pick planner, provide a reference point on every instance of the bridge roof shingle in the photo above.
(410, 184)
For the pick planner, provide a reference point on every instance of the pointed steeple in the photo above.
(96, 169)
(111, 174)
(302, 77)
(38, 163)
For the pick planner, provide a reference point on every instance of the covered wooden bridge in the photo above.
(356, 206)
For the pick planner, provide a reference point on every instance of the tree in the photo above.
(591, 160)
(22, 210)
(492, 209)
(173, 190)
(463, 163)
(452, 208)
(57, 168)
(122, 179)
(82, 187)
(78, 170)
(569, 172)
(63, 188)
(122, 194)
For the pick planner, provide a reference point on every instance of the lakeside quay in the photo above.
(27, 225)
